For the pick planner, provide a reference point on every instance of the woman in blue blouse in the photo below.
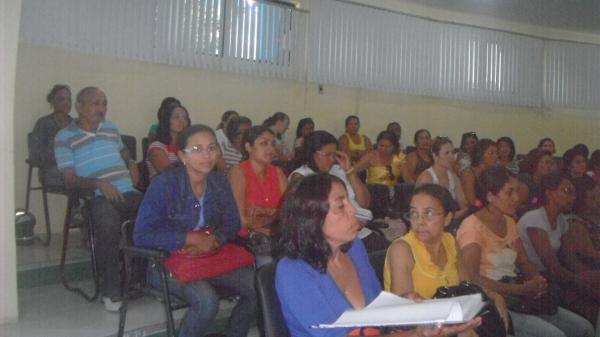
(324, 268)
(178, 203)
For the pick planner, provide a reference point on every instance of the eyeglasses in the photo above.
(199, 149)
(428, 215)
(330, 155)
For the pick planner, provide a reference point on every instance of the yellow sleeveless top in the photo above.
(381, 174)
(426, 276)
(362, 146)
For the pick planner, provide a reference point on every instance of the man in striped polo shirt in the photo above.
(90, 154)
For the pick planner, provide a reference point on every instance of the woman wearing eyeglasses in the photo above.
(190, 209)
(441, 173)
(542, 231)
(493, 253)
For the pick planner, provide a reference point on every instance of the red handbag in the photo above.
(228, 257)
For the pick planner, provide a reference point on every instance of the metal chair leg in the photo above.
(123, 309)
(94, 295)
(28, 188)
(46, 216)
(167, 303)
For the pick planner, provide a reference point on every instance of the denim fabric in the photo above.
(107, 218)
(203, 298)
(170, 210)
(562, 324)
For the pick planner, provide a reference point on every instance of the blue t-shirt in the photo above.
(309, 298)
(93, 154)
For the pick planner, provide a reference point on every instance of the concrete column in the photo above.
(10, 13)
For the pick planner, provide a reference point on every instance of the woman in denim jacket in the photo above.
(178, 203)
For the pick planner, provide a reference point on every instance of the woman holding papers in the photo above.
(324, 268)
(492, 251)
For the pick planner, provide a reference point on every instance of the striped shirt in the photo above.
(170, 151)
(93, 154)
(231, 155)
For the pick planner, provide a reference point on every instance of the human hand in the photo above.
(109, 191)
(447, 330)
(535, 287)
(200, 242)
(343, 160)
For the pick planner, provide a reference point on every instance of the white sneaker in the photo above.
(110, 305)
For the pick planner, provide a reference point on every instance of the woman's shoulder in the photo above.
(469, 224)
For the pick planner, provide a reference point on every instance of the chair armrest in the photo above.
(145, 252)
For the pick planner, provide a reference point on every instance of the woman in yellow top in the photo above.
(426, 258)
(384, 165)
(353, 143)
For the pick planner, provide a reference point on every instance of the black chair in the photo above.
(377, 260)
(130, 144)
(34, 163)
(402, 194)
(154, 258)
(73, 199)
(145, 145)
(272, 318)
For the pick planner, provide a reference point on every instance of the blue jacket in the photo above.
(170, 210)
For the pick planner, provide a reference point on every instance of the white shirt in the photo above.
(538, 218)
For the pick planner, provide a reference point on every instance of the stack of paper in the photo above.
(391, 310)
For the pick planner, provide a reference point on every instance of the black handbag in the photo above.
(546, 304)
(492, 324)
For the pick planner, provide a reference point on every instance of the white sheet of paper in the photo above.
(391, 310)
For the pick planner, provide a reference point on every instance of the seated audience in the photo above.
(90, 154)
(384, 165)
(542, 231)
(232, 150)
(594, 166)
(162, 153)
(324, 269)
(548, 145)
(467, 145)
(583, 149)
(257, 184)
(354, 144)
(574, 163)
(485, 155)
(441, 173)
(506, 154)
(305, 126)
(395, 128)
(41, 149)
(154, 127)
(580, 249)
(537, 164)
(320, 155)
(420, 159)
(493, 252)
(220, 131)
(279, 123)
(178, 208)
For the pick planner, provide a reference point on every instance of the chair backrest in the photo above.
(33, 153)
(273, 321)
(131, 144)
(402, 194)
(377, 260)
(145, 145)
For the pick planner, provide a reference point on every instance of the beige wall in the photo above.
(9, 18)
(135, 89)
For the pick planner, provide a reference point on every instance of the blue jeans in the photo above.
(203, 299)
(562, 324)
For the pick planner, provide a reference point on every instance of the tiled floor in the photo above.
(53, 311)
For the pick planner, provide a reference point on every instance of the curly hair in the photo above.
(54, 91)
(303, 215)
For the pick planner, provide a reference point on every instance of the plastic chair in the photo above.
(272, 318)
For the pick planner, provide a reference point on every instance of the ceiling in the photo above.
(574, 15)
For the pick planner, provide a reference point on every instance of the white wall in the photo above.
(9, 18)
